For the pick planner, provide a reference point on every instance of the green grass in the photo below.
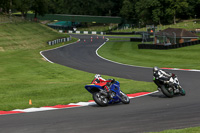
(94, 28)
(186, 24)
(125, 35)
(19, 13)
(26, 75)
(186, 130)
(128, 53)
(119, 39)
(22, 36)
(8, 19)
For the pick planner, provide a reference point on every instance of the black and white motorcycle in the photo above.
(171, 87)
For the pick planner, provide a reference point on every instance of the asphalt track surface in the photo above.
(154, 112)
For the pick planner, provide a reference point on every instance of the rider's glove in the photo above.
(113, 81)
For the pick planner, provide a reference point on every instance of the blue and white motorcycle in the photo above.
(102, 98)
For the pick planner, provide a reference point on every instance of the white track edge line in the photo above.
(53, 49)
(145, 94)
(80, 104)
(175, 69)
(114, 61)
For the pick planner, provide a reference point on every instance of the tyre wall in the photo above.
(164, 47)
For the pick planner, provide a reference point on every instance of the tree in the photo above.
(39, 7)
(112, 7)
(176, 6)
(196, 9)
(128, 10)
(6, 5)
(143, 11)
(93, 7)
(80, 7)
(56, 7)
(149, 11)
(23, 6)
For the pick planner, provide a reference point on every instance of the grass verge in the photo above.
(26, 75)
(128, 53)
(185, 24)
(186, 130)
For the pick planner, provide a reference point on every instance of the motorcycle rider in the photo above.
(98, 80)
(162, 76)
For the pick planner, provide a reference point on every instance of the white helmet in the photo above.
(97, 76)
(155, 69)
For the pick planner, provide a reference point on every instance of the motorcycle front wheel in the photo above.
(182, 92)
(124, 98)
(167, 91)
(100, 99)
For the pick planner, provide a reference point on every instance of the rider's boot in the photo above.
(176, 91)
(177, 88)
(109, 92)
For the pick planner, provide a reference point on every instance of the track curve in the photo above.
(150, 113)
(82, 56)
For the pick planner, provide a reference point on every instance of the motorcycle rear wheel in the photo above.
(100, 99)
(124, 98)
(166, 91)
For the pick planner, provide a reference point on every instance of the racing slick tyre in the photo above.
(125, 99)
(182, 92)
(100, 99)
(168, 92)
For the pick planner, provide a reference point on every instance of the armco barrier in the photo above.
(139, 39)
(86, 32)
(59, 41)
(165, 47)
(136, 39)
(128, 33)
(120, 33)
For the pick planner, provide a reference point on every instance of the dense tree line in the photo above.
(143, 11)
(160, 11)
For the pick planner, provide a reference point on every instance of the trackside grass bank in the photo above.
(26, 75)
(185, 24)
(128, 53)
(186, 130)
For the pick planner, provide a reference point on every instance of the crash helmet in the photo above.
(97, 76)
(155, 69)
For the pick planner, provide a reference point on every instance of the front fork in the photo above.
(178, 88)
(104, 93)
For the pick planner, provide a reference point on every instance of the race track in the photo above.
(154, 112)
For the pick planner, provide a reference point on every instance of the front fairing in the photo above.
(89, 87)
(116, 88)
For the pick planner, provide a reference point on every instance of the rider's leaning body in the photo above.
(98, 80)
(161, 75)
